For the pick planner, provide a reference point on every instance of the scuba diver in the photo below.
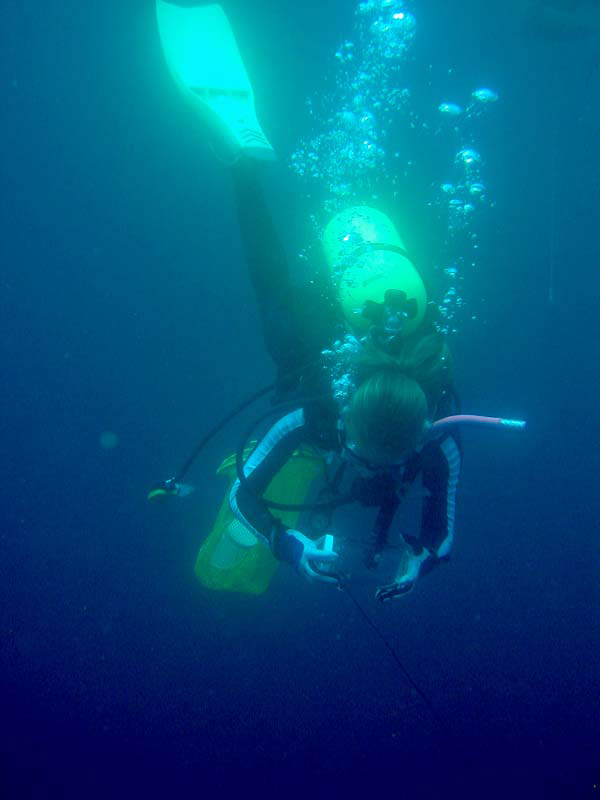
(375, 445)
(362, 371)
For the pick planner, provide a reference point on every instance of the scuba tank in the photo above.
(378, 286)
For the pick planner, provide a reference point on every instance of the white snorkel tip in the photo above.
(518, 424)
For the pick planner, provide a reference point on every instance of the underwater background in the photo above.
(128, 327)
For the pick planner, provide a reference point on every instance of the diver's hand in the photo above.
(393, 590)
(406, 576)
(309, 558)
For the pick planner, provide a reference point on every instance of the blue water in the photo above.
(125, 307)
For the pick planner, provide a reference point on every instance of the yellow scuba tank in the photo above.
(232, 558)
(367, 258)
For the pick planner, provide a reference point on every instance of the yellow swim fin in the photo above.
(204, 60)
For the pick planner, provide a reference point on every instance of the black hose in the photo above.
(219, 427)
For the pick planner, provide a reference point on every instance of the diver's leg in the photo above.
(269, 273)
(298, 321)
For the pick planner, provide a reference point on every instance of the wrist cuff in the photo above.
(285, 547)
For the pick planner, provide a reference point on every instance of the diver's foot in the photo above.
(234, 131)
(204, 59)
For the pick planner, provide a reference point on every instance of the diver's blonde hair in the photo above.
(387, 415)
(426, 359)
(395, 395)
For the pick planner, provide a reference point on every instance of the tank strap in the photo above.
(391, 248)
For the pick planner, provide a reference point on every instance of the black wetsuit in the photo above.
(295, 348)
(298, 321)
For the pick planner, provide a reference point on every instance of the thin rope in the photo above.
(410, 680)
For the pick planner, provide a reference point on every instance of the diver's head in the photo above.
(386, 419)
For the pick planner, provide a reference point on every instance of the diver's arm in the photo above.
(441, 471)
(441, 461)
(308, 557)
(269, 456)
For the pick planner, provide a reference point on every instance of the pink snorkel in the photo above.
(473, 421)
